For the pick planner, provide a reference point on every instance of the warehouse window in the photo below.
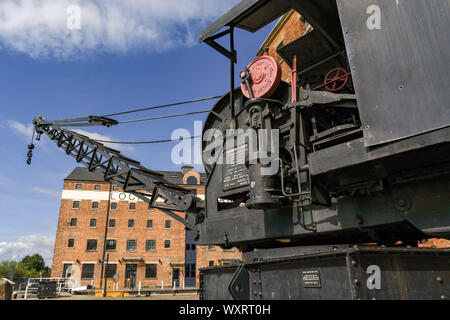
(150, 270)
(76, 205)
(87, 272)
(78, 186)
(91, 245)
(192, 180)
(132, 206)
(111, 245)
(211, 263)
(150, 245)
(110, 270)
(193, 270)
(130, 223)
(131, 245)
(112, 223)
(113, 205)
(73, 222)
(97, 187)
(149, 224)
(71, 243)
(167, 225)
(67, 270)
(166, 244)
(94, 205)
(211, 247)
(115, 188)
(93, 223)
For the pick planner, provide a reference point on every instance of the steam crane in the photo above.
(361, 157)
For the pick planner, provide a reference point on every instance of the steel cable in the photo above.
(161, 106)
(164, 117)
(147, 142)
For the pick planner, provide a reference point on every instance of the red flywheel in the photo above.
(265, 77)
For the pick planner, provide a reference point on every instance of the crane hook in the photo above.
(30, 149)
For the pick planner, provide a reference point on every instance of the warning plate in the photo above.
(311, 278)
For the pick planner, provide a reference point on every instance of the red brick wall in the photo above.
(292, 29)
(166, 259)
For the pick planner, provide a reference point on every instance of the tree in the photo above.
(6, 267)
(35, 262)
(30, 267)
(20, 269)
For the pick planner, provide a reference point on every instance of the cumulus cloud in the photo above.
(49, 28)
(25, 130)
(28, 245)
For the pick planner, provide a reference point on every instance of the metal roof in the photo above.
(250, 15)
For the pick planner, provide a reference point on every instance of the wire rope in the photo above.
(147, 142)
(161, 106)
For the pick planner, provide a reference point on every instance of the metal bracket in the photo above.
(239, 286)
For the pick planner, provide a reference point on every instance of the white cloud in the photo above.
(25, 130)
(46, 191)
(39, 27)
(28, 245)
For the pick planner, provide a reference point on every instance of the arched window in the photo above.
(192, 180)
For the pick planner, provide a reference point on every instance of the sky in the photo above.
(64, 59)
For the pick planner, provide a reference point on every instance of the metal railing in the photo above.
(32, 286)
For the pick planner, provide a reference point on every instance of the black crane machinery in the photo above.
(361, 153)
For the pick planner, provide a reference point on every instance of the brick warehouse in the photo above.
(143, 244)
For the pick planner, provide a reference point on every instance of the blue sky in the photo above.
(127, 54)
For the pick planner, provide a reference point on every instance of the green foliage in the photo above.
(34, 262)
(5, 268)
(29, 267)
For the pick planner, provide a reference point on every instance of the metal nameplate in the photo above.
(311, 279)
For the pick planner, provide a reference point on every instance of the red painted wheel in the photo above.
(336, 79)
(265, 76)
